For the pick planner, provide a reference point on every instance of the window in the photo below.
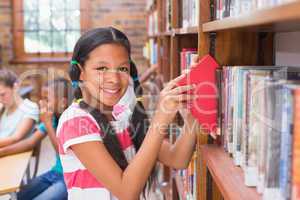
(47, 30)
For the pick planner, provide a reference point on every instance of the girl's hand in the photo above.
(171, 99)
(45, 114)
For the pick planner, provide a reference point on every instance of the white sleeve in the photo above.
(31, 110)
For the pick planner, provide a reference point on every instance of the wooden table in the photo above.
(12, 170)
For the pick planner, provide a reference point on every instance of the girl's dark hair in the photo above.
(139, 121)
(8, 77)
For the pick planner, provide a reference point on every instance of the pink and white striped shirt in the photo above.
(78, 126)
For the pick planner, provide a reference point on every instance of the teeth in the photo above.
(110, 91)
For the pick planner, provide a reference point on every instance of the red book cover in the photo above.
(204, 109)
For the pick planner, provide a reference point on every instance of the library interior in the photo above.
(70, 129)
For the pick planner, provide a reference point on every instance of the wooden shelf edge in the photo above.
(228, 177)
(187, 30)
(272, 18)
(176, 31)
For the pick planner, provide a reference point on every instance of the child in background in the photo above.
(17, 116)
(56, 96)
(108, 147)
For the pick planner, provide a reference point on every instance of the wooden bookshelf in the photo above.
(228, 177)
(280, 18)
(238, 42)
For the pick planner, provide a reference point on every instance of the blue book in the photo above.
(286, 143)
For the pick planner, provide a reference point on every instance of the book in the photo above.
(286, 142)
(254, 129)
(271, 183)
(204, 109)
(189, 13)
(186, 57)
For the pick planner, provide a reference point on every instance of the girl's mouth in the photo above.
(111, 91)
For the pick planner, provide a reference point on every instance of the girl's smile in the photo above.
(107, 72)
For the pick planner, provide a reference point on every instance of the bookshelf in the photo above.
(279, 18)
(245, 40)
(215, 157)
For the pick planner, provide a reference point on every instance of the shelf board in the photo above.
(179, 185)
(176, 31)
(187, 30)
(284, 17)
(228, 177)
(153, 36)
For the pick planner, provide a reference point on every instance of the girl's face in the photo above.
(54, 102)
(6, 95)
(106, 74)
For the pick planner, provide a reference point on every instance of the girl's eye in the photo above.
(102, 69)
(123, 69)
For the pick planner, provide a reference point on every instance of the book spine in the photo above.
(271, 190)
(286, 143)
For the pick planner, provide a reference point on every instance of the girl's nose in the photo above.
(112, 76)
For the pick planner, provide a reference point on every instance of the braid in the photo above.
(110, 140)
(139, 121)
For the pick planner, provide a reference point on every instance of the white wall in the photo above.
(287, 46)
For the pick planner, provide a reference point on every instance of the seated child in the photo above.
(17, 115)
(50, 185)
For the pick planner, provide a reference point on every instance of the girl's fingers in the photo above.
(182, 89)
(173, 83)
(184, 97)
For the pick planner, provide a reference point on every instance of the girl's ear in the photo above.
(82, 76)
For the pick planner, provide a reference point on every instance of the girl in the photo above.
(17, 116)
(108, 148)
(55, 97)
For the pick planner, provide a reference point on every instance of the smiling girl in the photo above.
(107, 145)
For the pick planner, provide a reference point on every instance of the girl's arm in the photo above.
(23, 145)
(128, 184)
(178, 155)
(23, 129)
(46, 117)
(52, 135)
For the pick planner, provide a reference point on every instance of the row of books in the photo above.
(186, 57)
(150, 51)
(188, 178)
(260, 123)
(149, 3)
(234, 8)
(190, 13)
(152, 23)
(168, 15)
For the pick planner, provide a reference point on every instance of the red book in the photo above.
(204, 109)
